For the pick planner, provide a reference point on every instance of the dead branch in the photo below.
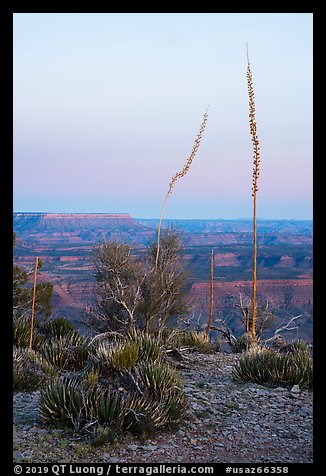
(286, 327)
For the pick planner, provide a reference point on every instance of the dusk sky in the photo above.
(107, 107)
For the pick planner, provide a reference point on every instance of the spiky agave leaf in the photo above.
(157, 378)
(118, 356)
(105, 405)
(62, 402)
(66, 352)
(30, 370)
(149, 346)
(59, 327)
(266, 366)
(176, 404)
(21, 334)
(143, 414)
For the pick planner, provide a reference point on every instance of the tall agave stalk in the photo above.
(255, 175)
(33, 305)
(177, 176)
(211, 293)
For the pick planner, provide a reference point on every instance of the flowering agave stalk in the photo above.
(211, 293)
(255, 176)
(33, 305)
(177, 176)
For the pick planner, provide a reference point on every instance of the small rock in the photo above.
(17, 456)
(295, 389)
(132, 447)
(149, 448)
(193, 442)
(105, 456)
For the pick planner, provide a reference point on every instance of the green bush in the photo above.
(115, 357)
(125, 356)
(91, 377)
(266, 366)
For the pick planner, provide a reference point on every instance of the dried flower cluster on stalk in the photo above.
(177, 176)
(253, 129)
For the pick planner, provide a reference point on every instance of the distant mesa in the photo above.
(48, 216)
(87, 227)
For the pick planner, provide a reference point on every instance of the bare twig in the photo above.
(286, 327)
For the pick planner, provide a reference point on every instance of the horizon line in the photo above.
(157, 218)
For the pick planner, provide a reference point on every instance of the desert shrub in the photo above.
(91, 377)
(242, 344)
(21, 334)
(118, 356)
(104, 434)
(266, 366)
(30, 371)
(66, 352)
(157, 378)
(197, 340)
(61, 403)
(125, 356)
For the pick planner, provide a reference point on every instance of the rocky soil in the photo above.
(226, 422)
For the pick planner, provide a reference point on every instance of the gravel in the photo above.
(226, 422)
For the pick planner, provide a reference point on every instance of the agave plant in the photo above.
(196, 340)
(66, 352)
(176, 404)
(157, 378)
(21, 334)
(242, 343)
(58, 327)
(266, 366)
(149, 346)
(295, 346)
(144, 415)
(105, 406)
(30, 370)
(62, 403)
(116, 357)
